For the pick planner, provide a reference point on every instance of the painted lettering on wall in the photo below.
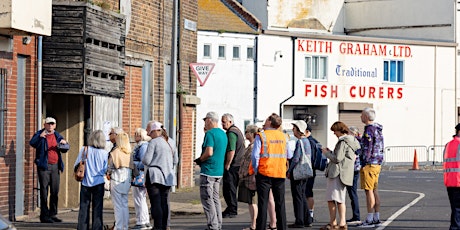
(353, 48)
(355, 72)
(354, 91)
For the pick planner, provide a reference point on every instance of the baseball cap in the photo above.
(156, 126)
(50, 120)
(302, 125)
(212, 115)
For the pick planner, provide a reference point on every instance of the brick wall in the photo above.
(132, 103)
(186, 158)
(150, 37)
(8, 163)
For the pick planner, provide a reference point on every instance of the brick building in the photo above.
(85, 90)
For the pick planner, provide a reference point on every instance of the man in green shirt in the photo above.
(233, 157)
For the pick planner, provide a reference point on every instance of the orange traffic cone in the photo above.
(415, 164)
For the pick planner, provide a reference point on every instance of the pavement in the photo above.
(184, 201)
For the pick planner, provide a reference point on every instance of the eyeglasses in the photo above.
(112, 133)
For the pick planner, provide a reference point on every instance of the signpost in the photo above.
(202, 71)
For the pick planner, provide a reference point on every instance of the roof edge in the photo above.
(244, 14)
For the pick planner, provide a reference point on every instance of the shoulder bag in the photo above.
(303, 169)
(79, 170)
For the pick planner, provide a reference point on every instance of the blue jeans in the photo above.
(353, 194)
(209, 194)
(454, 199)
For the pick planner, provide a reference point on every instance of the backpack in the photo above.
(318, 160)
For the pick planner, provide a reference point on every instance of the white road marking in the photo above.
(400, 211)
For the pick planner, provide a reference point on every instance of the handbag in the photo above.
(63, 148)
(139, 180)
(303, 169)
(79, 170)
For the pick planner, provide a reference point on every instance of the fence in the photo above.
(404, 155)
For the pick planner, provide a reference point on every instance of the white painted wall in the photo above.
(434, 19)
(25, 17)
(229, 88)
(424, 115)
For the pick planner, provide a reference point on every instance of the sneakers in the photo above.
(353, 221)
(377, 223)
(366, 224)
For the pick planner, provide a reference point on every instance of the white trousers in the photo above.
(121, 211)
(140, 204)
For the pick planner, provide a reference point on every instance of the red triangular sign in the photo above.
(202, 71)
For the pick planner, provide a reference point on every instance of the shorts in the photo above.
(369, 175)
(246, 195)
(309, 186)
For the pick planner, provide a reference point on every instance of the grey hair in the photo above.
(252, 129)
(117, 130)
(97, 139)
(228, 116)
(370, 113)
(354, 129)
(143, 133)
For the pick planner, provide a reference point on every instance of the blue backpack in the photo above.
(318, 160)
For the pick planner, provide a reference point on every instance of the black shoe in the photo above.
(295, 226)
(228, 215)
(46, 220)
(309, 221)
(55, 219)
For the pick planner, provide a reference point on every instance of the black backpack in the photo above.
(318, 160)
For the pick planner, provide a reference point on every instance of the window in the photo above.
(316, 68)
(250, 53)
(221, 51)
(207, 51)
(393, 71)
(2, 110)
(236, 52)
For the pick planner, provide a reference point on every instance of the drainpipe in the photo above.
(254, 116)
(293, 77)
(173, 85)
(39, 83)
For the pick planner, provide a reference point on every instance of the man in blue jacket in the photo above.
(49, 166)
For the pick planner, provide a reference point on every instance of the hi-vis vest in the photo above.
(273, 159)
(451, 163)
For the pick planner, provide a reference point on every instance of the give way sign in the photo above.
(202, 71)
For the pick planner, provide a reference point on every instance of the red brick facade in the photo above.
(149, 39)
(8, 61)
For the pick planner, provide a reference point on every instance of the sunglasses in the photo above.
(51, 123)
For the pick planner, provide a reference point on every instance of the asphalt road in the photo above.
(410, 200)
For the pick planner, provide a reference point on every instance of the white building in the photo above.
(401, 61)
(228, 42)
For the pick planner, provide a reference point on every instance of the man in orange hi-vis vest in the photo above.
(451, 167)
(269, 162)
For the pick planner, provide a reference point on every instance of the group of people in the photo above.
(256, 174)
(154, 155)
